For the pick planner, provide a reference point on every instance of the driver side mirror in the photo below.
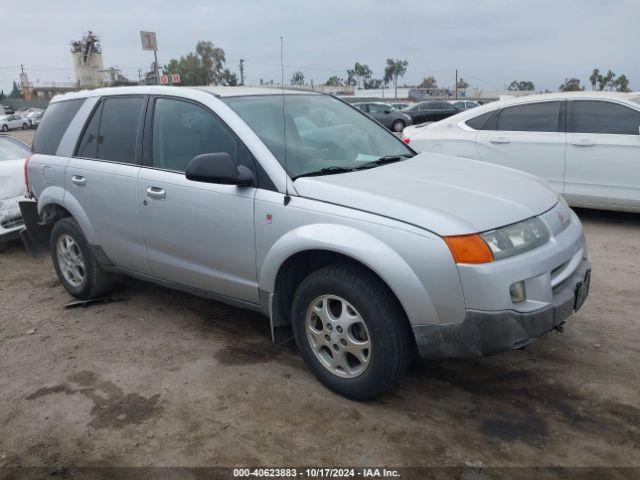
(218, 168)
(387, 112)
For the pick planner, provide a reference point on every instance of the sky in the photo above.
(490, 42)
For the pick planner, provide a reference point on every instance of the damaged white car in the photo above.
(12, 156)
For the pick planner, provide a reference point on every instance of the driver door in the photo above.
(197, 234)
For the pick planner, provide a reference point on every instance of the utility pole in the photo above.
(456, 83)
(241, 71)
(139, 76)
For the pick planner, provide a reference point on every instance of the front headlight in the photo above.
(517, 238)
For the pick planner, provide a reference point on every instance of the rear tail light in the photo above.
(26, 173)
(406, 140)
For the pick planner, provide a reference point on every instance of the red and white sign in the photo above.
(164, 79)
(148, 40)
(175, 78)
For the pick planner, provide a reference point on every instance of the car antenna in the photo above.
(287, 197)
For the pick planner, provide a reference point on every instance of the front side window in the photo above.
(54, 124)
(321, 132)
(183, 130)
(532, 117)
(377, 108)
(597, 116)
(112, 131)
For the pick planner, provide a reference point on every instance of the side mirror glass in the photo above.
(218, 168)
(387, 112)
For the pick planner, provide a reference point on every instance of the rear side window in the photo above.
(593, 116)
(532, 117)
(54, 124)
(477, 123)
(112, 131)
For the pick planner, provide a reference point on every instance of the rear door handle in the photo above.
(78, 180)
(585, 142)
(500, 140)
(156, 192)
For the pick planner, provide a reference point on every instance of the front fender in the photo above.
(360, 246)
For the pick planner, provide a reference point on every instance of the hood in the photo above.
(444, 194)
(11, 178)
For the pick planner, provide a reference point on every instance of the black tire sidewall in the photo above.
(71, 228)
(382, 321)
(398, 122)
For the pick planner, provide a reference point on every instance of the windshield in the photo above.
(11, 149)
(322, 132)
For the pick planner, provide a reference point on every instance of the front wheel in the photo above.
(5, 128)
(76, 266)
(350, 330)
(25, 126)
(398, 125)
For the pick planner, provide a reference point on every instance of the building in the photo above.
(87, 61)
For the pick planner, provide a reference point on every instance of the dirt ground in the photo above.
(166, 379)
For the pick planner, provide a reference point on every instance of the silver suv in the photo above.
(299, 206)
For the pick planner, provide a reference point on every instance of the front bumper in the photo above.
(491, 332)
(10, 220)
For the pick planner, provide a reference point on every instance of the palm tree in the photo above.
(594, 78)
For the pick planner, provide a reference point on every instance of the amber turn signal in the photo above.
(469, 249)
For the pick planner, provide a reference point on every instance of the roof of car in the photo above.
(168, 90)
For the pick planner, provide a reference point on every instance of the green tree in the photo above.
(15, 91)
(394, 69)
(359, 75)
(522, 85)
(570, 85)
(334, 81)
(297, 78)
(374, 83)
(594, 78)
(429, 82)
(2, 95)
(204, 66)
(462, 83)
(622, 84)
(609, 80)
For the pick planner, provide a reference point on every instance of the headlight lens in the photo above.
(517, 238)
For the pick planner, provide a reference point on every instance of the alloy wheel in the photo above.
(71, 261)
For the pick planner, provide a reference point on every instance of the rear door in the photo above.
(529, 137)
(603, 154)
(197, 234)
(102, 179)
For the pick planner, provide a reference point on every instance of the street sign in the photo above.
(148, 40)
(164, 79)
(175, 78)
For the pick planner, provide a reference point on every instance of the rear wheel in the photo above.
(398, 125)
(5, 128)
(25, 126)
(350, 330)
(75, 264)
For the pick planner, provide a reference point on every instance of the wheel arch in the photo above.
(309, 248)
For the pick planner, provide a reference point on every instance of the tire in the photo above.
(78, 271)
(385, 328)
(24, 126)
(398, 125)
(5, 128)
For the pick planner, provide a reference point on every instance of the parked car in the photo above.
(12, 122)
(400, 105)
(12, 157)
(464, 104)
(385, 114)
(35, 117)
(362, 250)
(430, 111)
(6, 110)
(586, 144)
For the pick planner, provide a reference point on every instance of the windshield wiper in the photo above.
(383, 161)
(324, 171)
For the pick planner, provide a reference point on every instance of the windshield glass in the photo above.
(322, 132)
(11, 149)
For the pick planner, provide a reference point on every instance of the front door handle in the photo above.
(585, 142)
(156, 192)
(78, 180)
(500, 140)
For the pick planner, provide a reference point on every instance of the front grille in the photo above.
(12, 223)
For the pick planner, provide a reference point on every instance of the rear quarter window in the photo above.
(54, 124)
